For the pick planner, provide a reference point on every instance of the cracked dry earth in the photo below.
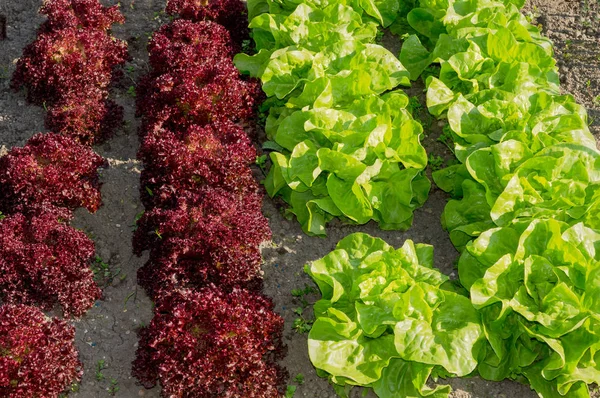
(106, 335)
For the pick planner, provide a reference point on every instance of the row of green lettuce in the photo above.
(344, 144)
(525, 211)
(524, 214)
(389, 321)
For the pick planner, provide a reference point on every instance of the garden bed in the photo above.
(106, 335)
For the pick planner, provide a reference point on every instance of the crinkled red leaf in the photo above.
(65, 62)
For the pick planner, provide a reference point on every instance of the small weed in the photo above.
(114, 387)
(129, 296)
(446, 137)
(414, 105)
(303, 292)
(149, 191)
(261, 161)
(300, 293)
(158, 15)
(100, 366)
(427, 123)
(101, 269)
(103, 273)
(379, 35)
(247, 47)
(134, 227)
(299, 378)
(290, 391)
(2, 216)
(302, 324)
(73, 388)
(131, 91)
(435, 161)
(596, 101)
(431, 70)
(586, 7)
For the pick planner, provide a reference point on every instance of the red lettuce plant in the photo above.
(88, 117)
(183, 45)
(70, 65)
(50, 170)
(217, 155)
(211, 235)
(68, 61)
(196, 96)
(209, 343)
(232, 14)
(44, 261)
(179, 269)
(64, 14)
(37, 354)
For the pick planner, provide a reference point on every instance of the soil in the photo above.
(106, 336)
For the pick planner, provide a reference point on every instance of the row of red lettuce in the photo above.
(44, 261)
(213, 332)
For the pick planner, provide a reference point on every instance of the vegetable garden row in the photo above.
(343, 144)
(213, 333)
(43, 260)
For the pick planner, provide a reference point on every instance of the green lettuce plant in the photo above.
(388, 320)
(346, 146)
(537, 287)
